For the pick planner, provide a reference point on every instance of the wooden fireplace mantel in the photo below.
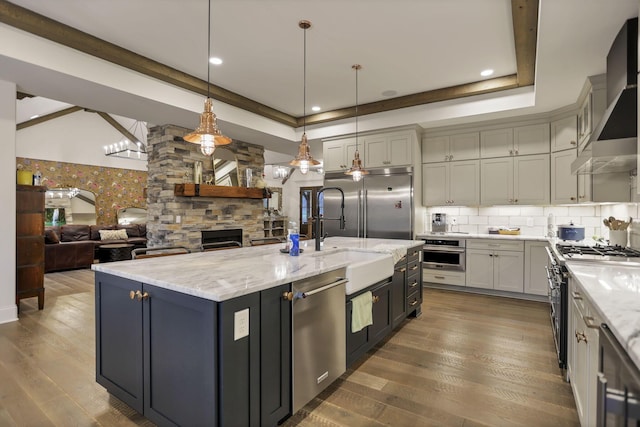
(205, 190)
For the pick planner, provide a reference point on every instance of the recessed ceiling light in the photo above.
(215, 60)
(35, 116)
(486, 73)
(315, 108)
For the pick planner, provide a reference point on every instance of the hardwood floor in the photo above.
(470, 360)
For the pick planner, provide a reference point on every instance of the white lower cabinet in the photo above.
(443, 277)
(583, 354)
(495, 264)
(535, 276)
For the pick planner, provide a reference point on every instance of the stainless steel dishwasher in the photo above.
(319, 334)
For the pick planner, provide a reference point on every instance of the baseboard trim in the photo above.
(8, 314)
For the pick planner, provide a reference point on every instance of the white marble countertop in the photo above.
(482, 236)
(614, 291)
(226, 274)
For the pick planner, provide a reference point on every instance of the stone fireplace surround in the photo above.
(171, 162)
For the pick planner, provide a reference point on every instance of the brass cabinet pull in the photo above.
(402, 270)
(138, 295)
(572, 143)
(572, 198)
(580, 336)
(414, 284)
(375, 299)
(412, 304)
(576, 295)
(287, 296)
(414, 268)
(590, 322)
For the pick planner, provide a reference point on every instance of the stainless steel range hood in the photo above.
(613, 143)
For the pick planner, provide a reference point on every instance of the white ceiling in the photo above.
(405, 46)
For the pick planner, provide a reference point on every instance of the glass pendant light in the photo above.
(208, 134)
(304, 160)
(356, 171)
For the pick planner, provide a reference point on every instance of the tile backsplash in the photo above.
(532, 220)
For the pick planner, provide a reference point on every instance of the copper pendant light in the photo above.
(356, 171)
(304, 160)
(208, 135)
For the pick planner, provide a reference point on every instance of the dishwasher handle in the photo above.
(300, 295)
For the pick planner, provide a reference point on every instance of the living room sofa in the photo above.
(76, 246)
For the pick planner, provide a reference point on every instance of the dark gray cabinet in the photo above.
(183, 360)
(275, 351)
(358, 343)
(399, 293)
(394, 301)
(157, 350)
(414, 282)
(239, 402)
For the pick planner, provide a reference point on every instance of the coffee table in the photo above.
(115, 252)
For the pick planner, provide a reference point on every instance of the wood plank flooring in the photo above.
(470, 360)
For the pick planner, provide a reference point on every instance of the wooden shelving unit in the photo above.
(275, 226)
(30, 243)
(204, 190)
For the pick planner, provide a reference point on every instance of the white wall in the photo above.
(79, 137)
(8, 308)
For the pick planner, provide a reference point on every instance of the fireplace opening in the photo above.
(217, 239)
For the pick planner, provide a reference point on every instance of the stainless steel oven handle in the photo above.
(431, 248)
(552, 259)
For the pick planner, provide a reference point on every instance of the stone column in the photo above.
(171, 162)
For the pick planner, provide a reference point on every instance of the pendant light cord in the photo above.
(304, 84)
(209, 50)
(357, 109)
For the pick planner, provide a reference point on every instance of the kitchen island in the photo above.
(205, 338)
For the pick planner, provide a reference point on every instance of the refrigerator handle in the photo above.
(365, 213)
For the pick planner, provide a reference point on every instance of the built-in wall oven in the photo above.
(443, 253)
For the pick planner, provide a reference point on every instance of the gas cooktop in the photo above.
(573, 252)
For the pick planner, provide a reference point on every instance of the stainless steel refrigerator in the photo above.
(379, 206)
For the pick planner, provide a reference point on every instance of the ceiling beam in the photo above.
(452, 92)
(58, 32)
(525, 24)
(47, 117)
(113, 122)
(524, 14)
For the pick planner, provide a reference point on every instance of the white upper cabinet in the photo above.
(464, 146)
(496, 143)
(517, 141)
(564, 134)
(388, 150)
(564, 185)
(522, 180)
(532, 139)
(337, 154)
(451, 183)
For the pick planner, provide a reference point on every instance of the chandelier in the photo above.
(130, 146)
(208, 135)
(304, 160)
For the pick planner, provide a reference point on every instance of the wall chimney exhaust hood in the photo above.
(613, 143)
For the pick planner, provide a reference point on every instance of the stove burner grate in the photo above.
(611, 251)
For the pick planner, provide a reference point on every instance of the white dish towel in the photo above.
(361, 311)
